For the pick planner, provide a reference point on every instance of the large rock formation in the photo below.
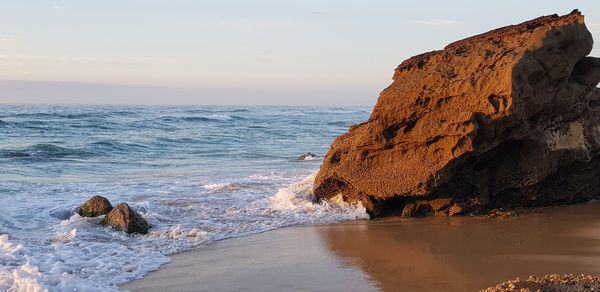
(507, 118)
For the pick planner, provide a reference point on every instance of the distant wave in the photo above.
(212, 110)
(46, 124)
(58, 115)
(240, 110)
(27, 124)
(204, 118)
(37, 125)
(341, 110)
(123, 113)
(179, 140)
(340, 123)
(100, 126)
(108, 147)
(44, 151)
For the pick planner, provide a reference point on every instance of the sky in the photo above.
(281, 52)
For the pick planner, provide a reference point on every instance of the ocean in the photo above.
(198, 174)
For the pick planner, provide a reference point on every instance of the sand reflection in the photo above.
(465, 254)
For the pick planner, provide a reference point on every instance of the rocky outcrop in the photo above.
(123, 218)
(95, 206)
(503, 119)
(557, 283)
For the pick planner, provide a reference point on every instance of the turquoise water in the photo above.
(197, 174)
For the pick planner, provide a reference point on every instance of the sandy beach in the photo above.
(453, 254)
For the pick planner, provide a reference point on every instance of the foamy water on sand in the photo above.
(197, 174)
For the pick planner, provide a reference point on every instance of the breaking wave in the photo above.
(84, 256)
(203, 118)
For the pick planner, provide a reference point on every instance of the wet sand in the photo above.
(428, 254)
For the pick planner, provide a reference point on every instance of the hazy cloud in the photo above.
(439, 22)
(255, 25)
(9, 39)
(12, 42)
(88, 60)
(61, 92)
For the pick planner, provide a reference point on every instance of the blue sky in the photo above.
(234, 52)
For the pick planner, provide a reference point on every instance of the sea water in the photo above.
(197, 173)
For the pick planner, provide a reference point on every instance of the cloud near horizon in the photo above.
(256, 25)
(68, 92)
(10, 40)
(439, 22)
(87, 60)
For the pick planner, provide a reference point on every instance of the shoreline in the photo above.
(298, 244)
(451, 253)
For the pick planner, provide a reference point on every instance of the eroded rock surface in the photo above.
(555, 283)
(503, 119)
(123, 218)
(95, 206)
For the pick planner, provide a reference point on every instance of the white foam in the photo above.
(177, 232)
(262, 177)
(19, 272)
(21, 278)
(219, 117)
(66, 236)
(79, 254)
(299, 198)
(9, 250)
(221, 187)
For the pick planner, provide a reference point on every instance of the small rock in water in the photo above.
(123, 218)
(307, 156)
(95, 206)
